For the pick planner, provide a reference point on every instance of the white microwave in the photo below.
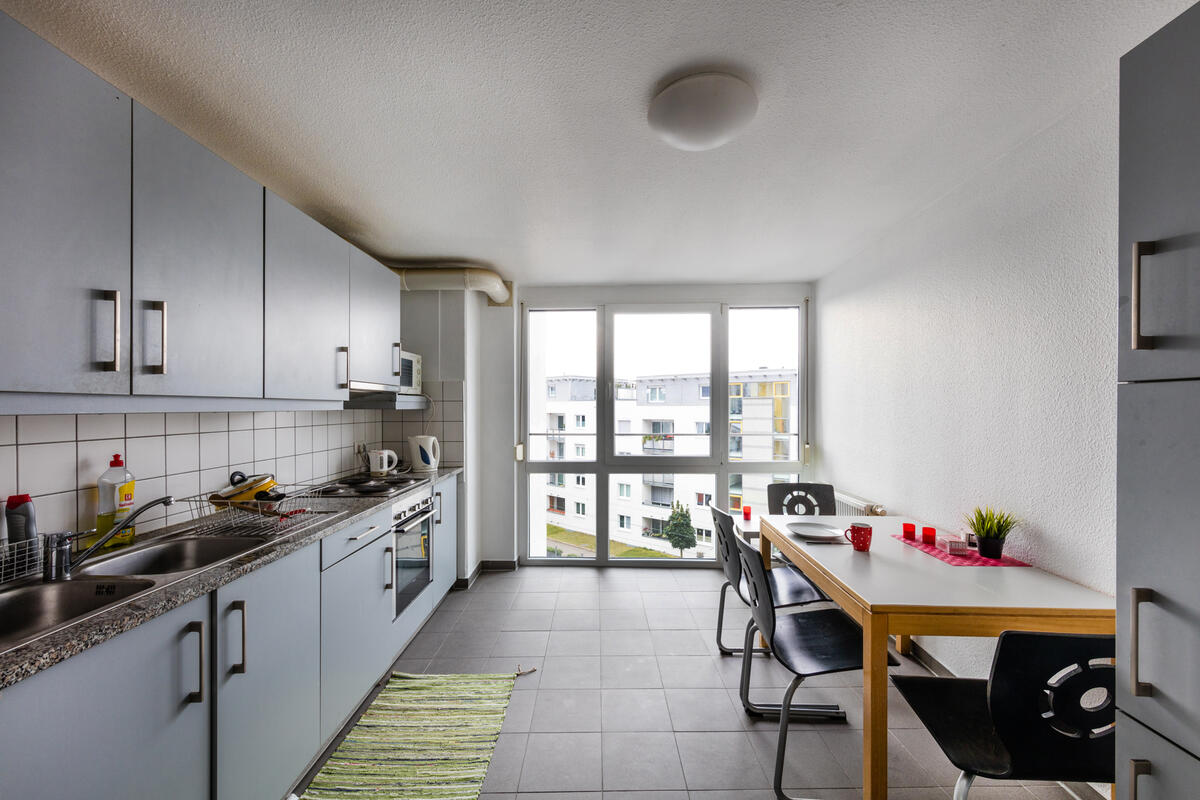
(408, 373)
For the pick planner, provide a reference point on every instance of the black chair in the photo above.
(808, 643)
(805, 499)
(1047, 713)
(789, 589)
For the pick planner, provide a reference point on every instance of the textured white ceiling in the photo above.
(516, 131)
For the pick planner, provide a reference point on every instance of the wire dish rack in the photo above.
(19, 559)
(213, 515)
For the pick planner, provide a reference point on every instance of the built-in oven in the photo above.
(412, 533)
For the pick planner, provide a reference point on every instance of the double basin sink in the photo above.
(32, 608)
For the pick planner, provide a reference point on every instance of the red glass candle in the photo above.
(910, 531)
(746, 512)
(929, 535)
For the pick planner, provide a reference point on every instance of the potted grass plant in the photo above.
(991, 528)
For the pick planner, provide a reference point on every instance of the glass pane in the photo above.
(663, 386)
(764, 357)
(640, 511)
(750, 489)
(561, 349)
(562, 515)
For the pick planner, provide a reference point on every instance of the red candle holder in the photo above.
(746, 512)
(910, 531)
(929, 535)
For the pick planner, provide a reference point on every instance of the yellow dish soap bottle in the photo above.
(115, 501)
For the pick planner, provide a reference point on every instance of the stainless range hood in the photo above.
(383, 396)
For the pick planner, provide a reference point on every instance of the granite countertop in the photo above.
(31, 657)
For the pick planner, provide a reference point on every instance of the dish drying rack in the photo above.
(19, 559)
(213, 516)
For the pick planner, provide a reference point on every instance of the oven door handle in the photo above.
(403, 527)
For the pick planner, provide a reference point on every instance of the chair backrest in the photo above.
(806, 499)
(758, 588)
(727, 552)
(1052, 699)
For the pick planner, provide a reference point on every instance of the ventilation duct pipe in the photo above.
(421, 276)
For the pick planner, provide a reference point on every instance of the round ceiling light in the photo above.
(702, 111)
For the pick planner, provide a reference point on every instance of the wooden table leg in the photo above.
(764, 547)
(875, 696)
(903, 644)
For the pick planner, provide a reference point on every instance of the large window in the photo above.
(636, 390)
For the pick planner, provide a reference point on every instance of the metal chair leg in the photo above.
(809, 711)
(729, 651)
(781, 747)
(963, 785)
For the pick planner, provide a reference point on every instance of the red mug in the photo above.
(859, 535)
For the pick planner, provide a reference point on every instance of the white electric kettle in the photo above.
(426, 452)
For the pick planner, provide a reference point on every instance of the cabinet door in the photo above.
(197, 248)
(64, 221)
(268, 691)
(1172, 773)
(1160, 202)
(357, 607)
(445, 538)
(114, 721)
(1158, 542)
(374, 321)
(308, 306)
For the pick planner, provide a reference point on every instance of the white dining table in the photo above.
(897, 590)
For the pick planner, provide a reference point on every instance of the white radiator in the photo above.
(852, 505)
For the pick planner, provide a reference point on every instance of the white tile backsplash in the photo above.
(444, 419)
(57, 458)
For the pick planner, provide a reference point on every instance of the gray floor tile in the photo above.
(670, 619)
(413, 666)
(561, 762)
(678, 794)
(571, 672)
(519, 712)
(903, 769)
(480, 620)
(424, 645)
(442, 621)
(504, 771)
(520, 643)
(620, 599)
(809, 763)
(689, 672)
(468, 644)
(497, 796)
(576, 619)
(566, 710)
(517, 664)
(724, 760)
(734, 794)
(678, 643)
(623, 619)
(708, 600)
(574, 643)
(535, 600)
(560, 796)
(656, 580)
(703, 710)
(641, 761)
(578, 600)
(765, 673)
(526, 619)
(672, 598)
(629, 672)
(457, 666)
(626, 643)
(497, 601)
(635, 710)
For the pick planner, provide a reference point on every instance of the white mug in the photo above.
(382, 461)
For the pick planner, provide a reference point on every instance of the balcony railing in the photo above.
(658, 480)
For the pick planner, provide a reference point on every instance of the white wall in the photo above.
(969, 357)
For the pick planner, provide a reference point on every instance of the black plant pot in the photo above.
(991, 548)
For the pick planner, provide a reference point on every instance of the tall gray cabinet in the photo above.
(64, 221)
(1158, 439)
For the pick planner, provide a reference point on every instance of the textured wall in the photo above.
(968, 357)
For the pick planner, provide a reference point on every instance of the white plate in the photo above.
(814, 532)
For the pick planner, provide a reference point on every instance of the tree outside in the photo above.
(679, 531)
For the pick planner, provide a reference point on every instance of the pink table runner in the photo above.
(973, 559)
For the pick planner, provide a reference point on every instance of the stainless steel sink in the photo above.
(26, 611)
(174, 555)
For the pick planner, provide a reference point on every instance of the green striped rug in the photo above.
(425, 736)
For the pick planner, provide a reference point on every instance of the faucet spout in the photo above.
(128, 521)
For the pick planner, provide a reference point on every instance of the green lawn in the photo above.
(558, 535)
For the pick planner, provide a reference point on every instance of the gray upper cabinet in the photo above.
(374, 321)
(267, 677)
(129, 718)
(1158, 552)
(64, 221)
(308, 305)
(1160, 204)
(197, 268)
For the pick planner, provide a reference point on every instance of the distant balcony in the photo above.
(658, 480)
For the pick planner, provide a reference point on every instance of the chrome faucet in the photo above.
(57, 564)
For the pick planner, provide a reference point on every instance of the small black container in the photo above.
(991, 548)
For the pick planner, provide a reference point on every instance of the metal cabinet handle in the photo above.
(240, 668)
(438, 521)
(1139, 342)
(1137, 768)
(367, 532)
(396, 358)
(345, 384)
(387, 568)
(114, 365)
(1140, 688)
(161, 307)
(198, 695)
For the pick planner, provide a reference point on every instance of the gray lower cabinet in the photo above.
(267, 677)
(307, 311)
(128, 719)
(1158, 542)
(1160, 203)
(64, 221)
(197, 268)
(357, 607)
(445, 537)
(1151, 768)
(374, 321)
